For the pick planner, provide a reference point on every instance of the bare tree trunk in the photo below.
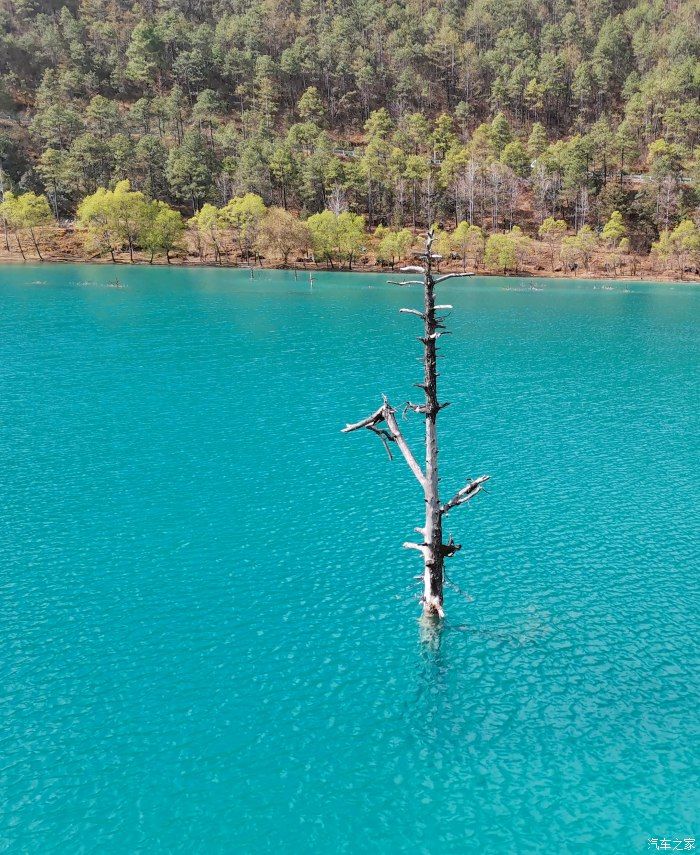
(432, 548)
(36, 245)
(19, 244)
(2, 198)
(433, 555)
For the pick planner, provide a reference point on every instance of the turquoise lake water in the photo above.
(209, 627)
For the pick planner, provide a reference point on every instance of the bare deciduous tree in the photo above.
(383, 423)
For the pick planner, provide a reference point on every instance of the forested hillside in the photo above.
(493, 112)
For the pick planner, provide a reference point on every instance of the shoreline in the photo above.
(650, 277)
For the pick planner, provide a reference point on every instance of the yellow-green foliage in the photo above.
(115, 218)
(500, 253)
(507, 251)
(682, 244)
(26, 212)
(392, 245)
(336, 237)
(468, 240)
(614, 230)
(243, 214)
(281, 233)
(164, 230)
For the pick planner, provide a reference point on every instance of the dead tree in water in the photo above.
(383, 422)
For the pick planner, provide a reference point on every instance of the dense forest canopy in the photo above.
(491, 111)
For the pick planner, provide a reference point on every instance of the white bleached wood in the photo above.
(447, 276)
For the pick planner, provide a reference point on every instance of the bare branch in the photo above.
(403, 445)
(417, 408)
(376, 417)
(449, 548)
(446, 306)
(413, 312)
(421, 547)
(451, 276)
(465, 494)
(385, 437)
(405, 282)
(386, 413)
(412, 268)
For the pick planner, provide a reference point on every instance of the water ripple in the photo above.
(210, 638)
